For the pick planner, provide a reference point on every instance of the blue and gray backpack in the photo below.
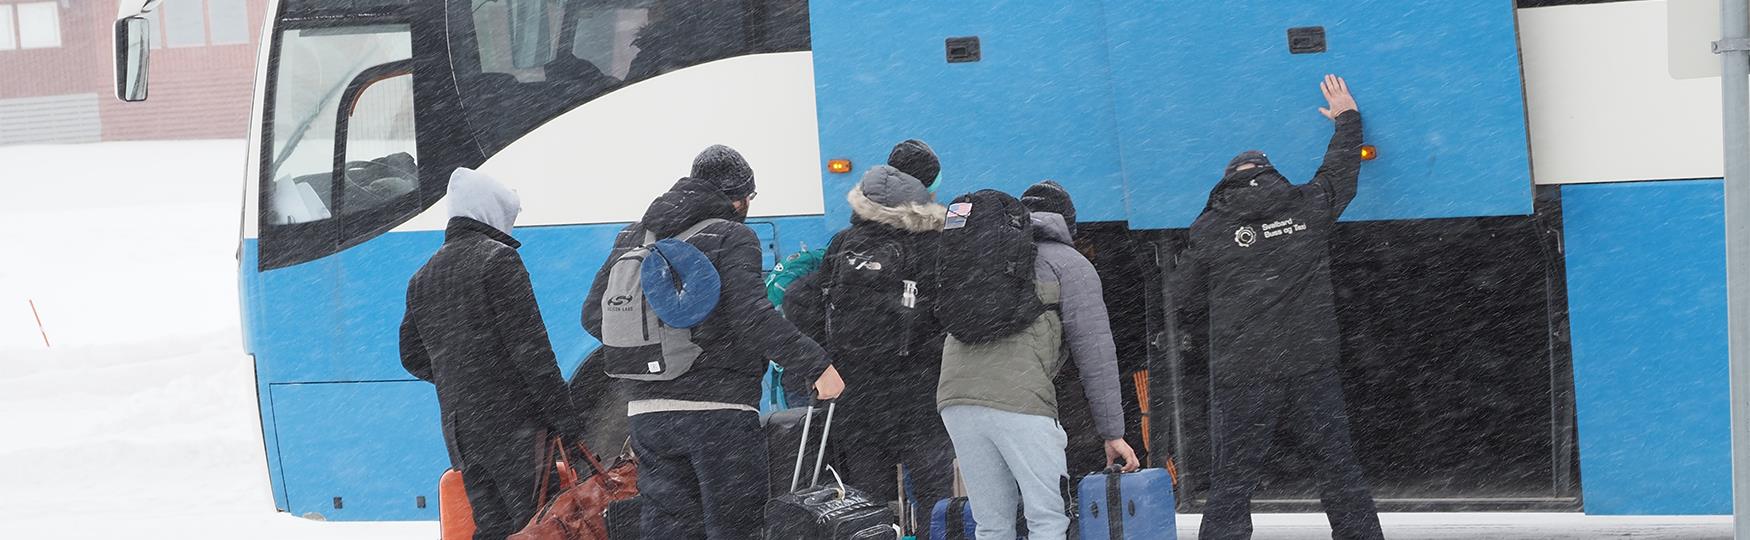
(655, 293)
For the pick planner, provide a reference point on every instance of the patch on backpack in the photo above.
(957, 214)
(859, 261)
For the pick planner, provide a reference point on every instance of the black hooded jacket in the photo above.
(472, 328)
(743, 332)
(1260, 255)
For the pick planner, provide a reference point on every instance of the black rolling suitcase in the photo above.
(783, 430)
(825, 512)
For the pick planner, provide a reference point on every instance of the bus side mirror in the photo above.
(132, 47)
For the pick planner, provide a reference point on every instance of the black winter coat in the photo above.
(473, 328)
(743, 332)
(1261, 258)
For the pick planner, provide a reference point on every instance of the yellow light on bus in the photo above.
(838, 166)
(1368, 152)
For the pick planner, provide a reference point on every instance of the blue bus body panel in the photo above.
(250, 299)
(296, 309)
(325, 335)
(378, 446)
(1647, 308)
(1438, 83)
(1178, 89)
(1036, 106)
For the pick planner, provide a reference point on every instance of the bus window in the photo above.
(538, 41)
(523, 62)
(380, 154)
(314, 71)
(350, 5)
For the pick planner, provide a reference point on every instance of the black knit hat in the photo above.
(915, 158)
(723, 166)
(1252, 157)
(1049, 196)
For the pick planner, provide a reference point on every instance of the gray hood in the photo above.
(1050, 227)
(482, 198)
(909, 217)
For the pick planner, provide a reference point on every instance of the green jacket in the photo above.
(1011, 374)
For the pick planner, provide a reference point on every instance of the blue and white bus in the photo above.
(1531, 281)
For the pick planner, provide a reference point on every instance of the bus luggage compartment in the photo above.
(1455, 365)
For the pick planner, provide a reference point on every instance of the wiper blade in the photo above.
(297, 135)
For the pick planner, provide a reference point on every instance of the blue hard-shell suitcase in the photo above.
(951, 519)
(1126, 506)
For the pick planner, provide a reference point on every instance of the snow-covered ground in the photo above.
(138, 419)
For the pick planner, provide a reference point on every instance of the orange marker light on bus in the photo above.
(1368, 152)
(838, 166)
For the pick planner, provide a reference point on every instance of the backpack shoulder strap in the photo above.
(650, 237)
(834, 248)
(697, 228)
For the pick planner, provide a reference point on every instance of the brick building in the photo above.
(57, 71)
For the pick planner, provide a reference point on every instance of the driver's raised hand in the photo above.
(1336, 96)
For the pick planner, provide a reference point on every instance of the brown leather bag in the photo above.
(579, 510)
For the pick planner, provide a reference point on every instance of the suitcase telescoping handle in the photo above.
(802, 449)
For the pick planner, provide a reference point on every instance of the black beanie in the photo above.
(1253, 157)
(723, 166)
(915, 158)
(1049, 196)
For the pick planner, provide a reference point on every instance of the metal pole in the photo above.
(1734, 51)
(39, 323)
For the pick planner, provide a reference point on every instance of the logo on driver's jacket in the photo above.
(620, 300)
(1245, 236)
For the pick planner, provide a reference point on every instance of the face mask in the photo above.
(1270, 179)
(1257, 177)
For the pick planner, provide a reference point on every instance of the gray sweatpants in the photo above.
(1008, 459)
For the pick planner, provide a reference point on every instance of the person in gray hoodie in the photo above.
(997, 398)
(473, 329)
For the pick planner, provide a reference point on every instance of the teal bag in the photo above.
(791, 269)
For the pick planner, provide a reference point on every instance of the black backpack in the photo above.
(986, 269)
(872, 308)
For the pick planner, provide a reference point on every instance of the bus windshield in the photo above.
(315, 67)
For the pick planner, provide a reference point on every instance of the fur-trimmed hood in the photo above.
(909, 217)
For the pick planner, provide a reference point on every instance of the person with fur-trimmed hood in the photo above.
(877, 285)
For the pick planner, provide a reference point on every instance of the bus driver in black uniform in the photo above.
(1260, 252)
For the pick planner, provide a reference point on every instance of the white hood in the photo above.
(482, 198)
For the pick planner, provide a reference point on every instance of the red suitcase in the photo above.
(455, 516)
